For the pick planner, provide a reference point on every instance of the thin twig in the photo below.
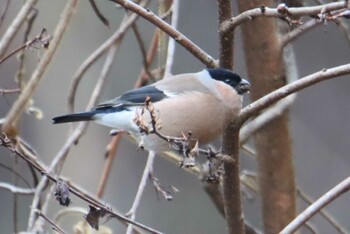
(28, 91)
(4, 11)
(16, 190)
(111, 153)
(143, 76)
(315, 208)
(143, 50)
(275, 12)
(58, 161)
(9, 91)
(112, 146)
(295, 33)
(11, 31)
(164, 26)
(54, 226)
(21, 56)
(266, 117)
(40, 38)
(271, 98)
(74, 189)
(140, 190)
(330, 219)
(171, 44)
(99, 15)
(118, 35)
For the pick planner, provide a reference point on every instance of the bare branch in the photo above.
(110, 155)
(11, 31)
(143, 182)
(305, 27)
(38, 74)
(269, 99)
(74, 189)
(275, 12)
(98, 13)
(53, 225)
(41, 39)
(16, 190)
(171, 44)
(266, 117)
(4, 11)
(331, 220)
(178, 37)
(324, 200)
(114, 39)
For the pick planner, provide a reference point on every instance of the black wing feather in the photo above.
(135, 97)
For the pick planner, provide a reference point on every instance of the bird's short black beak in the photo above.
(243, 87)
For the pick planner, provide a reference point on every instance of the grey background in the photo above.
(319, 120)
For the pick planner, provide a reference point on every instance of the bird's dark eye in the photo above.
(228, 81)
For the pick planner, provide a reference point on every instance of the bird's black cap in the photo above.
(230, 78)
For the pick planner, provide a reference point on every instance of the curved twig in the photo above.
(324, 200)
(117, 36)
(11, 31)
(275, 12)
(164, 26)
(271, 98)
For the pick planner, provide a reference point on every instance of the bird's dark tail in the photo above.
(84, 116)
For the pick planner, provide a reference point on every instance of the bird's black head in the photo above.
(227, 76)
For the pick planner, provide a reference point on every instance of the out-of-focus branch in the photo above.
(276, 12)
(74, 189)
(178, 37)
(171, 44)
(98, 13)
(11, 31)
(21, 56)
(16, 190)
(331, 220)
(38, 74)
(53, 225)
(295, 33)
(144, 74)
(324, 200)
(269, 99)
(39, 39)
(140, 190)
(4, 11)
(58, 161)
(117, 36)
(112, 146)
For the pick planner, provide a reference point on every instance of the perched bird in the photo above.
(202, 103)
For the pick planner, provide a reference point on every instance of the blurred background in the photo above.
(319, 120)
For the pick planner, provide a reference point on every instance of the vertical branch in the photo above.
(231, 180)
(143, 183)
(163, 8)
(172, 43)
(273, 146)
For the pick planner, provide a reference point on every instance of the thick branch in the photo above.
(274, 12)
(269, 99)
(230, 145)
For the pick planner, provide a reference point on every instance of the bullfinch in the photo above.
(202, 103)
